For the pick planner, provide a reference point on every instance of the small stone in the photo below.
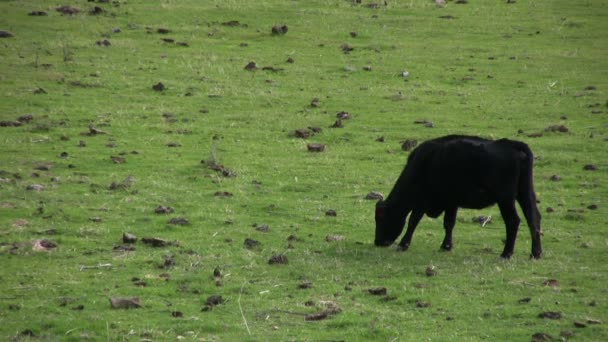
(331, 212)
(431, 271)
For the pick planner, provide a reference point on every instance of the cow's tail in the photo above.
(526, 195)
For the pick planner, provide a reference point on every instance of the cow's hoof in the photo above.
(535, 256)
(446, 248)
(402, 248)
(506, 255)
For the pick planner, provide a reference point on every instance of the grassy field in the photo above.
(216, 144)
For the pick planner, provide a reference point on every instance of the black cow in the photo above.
(458, 171)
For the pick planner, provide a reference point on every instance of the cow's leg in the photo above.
(411, 227)
(449, 220)
(509, 215)
(527, 202)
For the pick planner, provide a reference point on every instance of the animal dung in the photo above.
(409, 144)
(315, 147)
(279, 29)
(129, 238)
(159, 86)
(125, 303)
(377, 291)
(251, 66)
(278, 259)
(374, 195)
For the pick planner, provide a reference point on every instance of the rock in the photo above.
(431, 271)
(331, 212)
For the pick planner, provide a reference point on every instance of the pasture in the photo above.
(149, 118)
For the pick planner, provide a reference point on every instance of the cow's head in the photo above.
(389, 224)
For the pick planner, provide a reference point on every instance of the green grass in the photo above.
(495, 70)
